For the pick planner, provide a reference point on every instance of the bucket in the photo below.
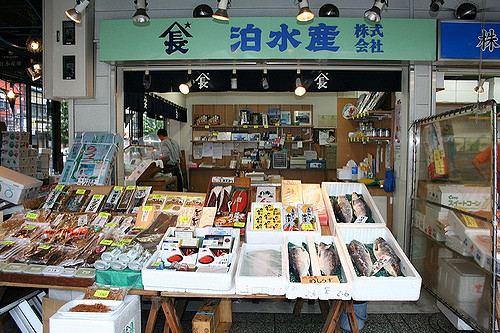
(360, 311)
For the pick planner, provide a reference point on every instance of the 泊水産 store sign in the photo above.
(268, 38)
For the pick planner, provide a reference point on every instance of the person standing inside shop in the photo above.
(170, 155)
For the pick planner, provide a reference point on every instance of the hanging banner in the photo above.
(268, 38)
(470, 40)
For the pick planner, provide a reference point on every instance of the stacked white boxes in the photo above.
(16, 187)
(43, 163)
(400, 288)
(15, 151)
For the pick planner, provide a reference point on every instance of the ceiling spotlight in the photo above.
(140, 15)
(234, 80)
(436, 5)
(265, 81)
(329, 10)
(35, 70)
(75, 13)
(11, 96)
(466, 11)
(305, 13)
(373, 14)
(221, 12)
(479, 89)
(184, 87)
(146, 80)
(34, 43)
(203, 11)
(299, 88)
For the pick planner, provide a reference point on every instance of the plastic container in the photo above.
(361, 316)
(459, 280)
(401, 288)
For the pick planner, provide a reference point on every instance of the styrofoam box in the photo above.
(337, 188)
(459, 280)
(419, 219)
(126, 319)
(296, 289)
(457, 245)
(401, 288)
(341, 290)
(257, 236)
(16, 187)
(171, 280)
(269, 285)
(481, 249)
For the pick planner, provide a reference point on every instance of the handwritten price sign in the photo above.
(319, 279)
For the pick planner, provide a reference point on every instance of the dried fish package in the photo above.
(36, 253)
(77, 200)
(52, 199)
(125, 199)
(95, 203)
(265, 262)
(10, 248)
(113, 199)
(140, 196)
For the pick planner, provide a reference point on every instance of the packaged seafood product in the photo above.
(29, 231)
(138, 199)
(145, 216)
(157, 200)
(95, 203)
(312, 195)
(36, 253)
(185, 217)
(126, 199)
(53, 199)
(194, 201)
(10, 248)
(113, 199)
(174, 203)
(291, 192)
(267, 216)
(105, 292)
(261, 263)
(76, 202)
(307, 218)
(37, 215)
(290, 218)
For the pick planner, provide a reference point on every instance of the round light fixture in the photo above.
(203, 11)
(466, 11)
(329, 10)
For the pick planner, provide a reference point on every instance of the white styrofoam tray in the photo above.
(338, 188)
(171, 280)
(401, 288)
(256, 236)
(269, 285)
(342, 290)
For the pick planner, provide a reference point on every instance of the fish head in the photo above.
(355, 196)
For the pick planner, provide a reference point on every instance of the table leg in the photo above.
(349, 309)
(298, 306)
(171, 315)
(333, 317)
(324, 306)
(153, 312)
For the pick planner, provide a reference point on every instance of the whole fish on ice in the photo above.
(343, 209)
(328, 259)
(360, 257)
(300, 261)
(380, 248)
(360, 207)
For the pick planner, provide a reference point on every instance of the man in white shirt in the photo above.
(170, 155)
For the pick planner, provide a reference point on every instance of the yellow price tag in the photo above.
(266, 126)
(118, 244)
(104, 214)
(131, 187)
(157, 196)
(101, 293)
(245, 126)
(30, 227)
(44, 247)
(184, 219)
(142, 188)
(255, 126)
(97, 196)
(59, 187)
(469, 221)
(319, 279)
(106, 242)
(32, 216)
(239, 224)
(8, 242)
(307, 226)
(111, 224)
(147, 208)
(207, 126)
(439, 162)
(118, 188)
(80, 191)
(125, 240)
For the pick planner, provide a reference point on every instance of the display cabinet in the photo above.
(453, 227)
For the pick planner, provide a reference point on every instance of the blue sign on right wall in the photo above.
(470, 40)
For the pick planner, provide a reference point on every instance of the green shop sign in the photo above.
(268, 38)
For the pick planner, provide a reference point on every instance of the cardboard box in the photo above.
(460, 281)
(16, 187)
(21, 137)
(214, 315)
(472, 198)
(49, 308)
